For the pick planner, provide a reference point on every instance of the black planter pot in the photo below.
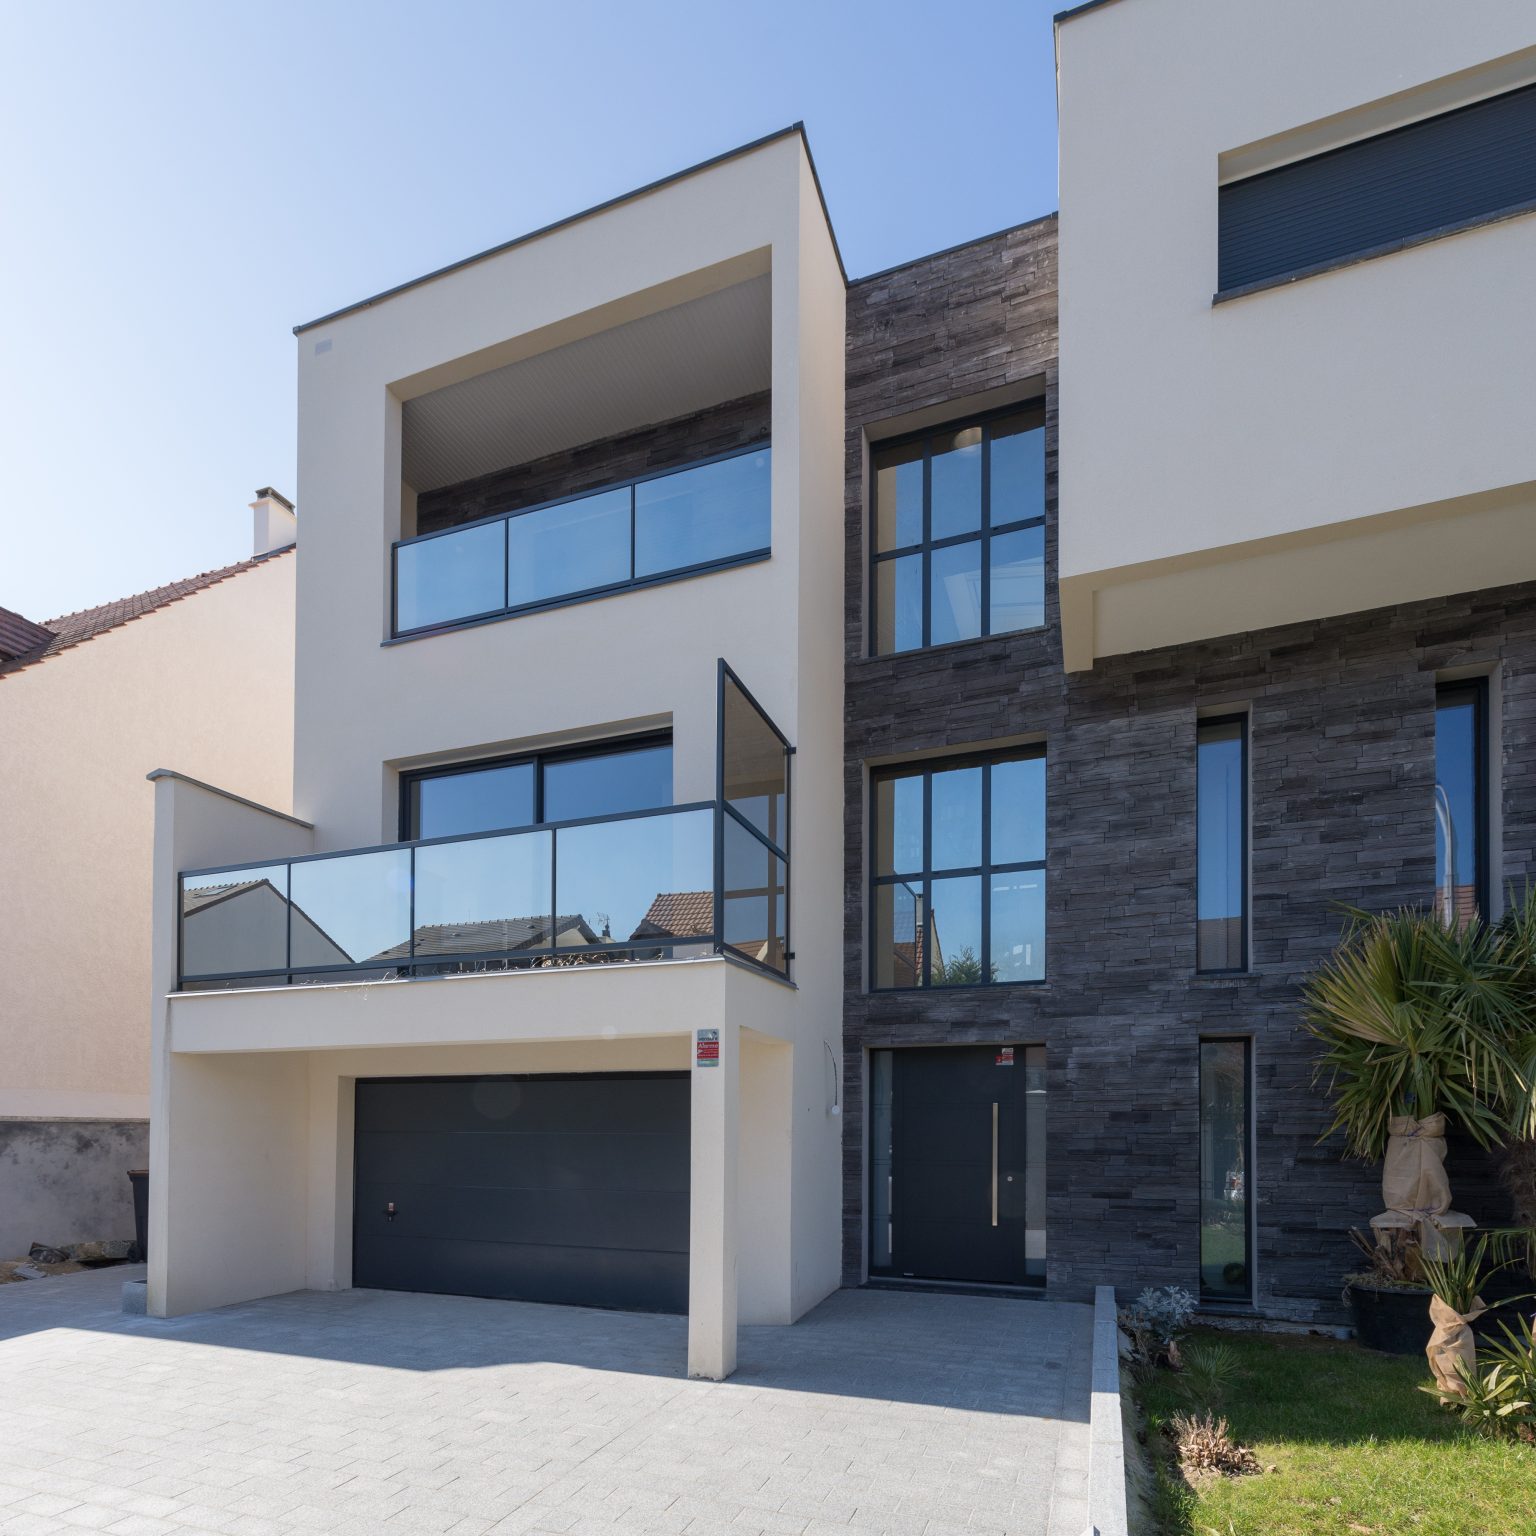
(1396, 1322)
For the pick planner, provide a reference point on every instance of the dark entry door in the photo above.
(965, 1172)
(564, 1189)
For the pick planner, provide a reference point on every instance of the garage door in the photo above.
(565, 1189)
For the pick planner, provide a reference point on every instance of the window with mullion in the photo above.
(958, 532)
(957, 894)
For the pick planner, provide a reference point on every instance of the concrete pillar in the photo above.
(712, 1219)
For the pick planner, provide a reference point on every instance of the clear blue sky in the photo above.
(182, 183)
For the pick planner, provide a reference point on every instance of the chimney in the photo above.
(273, 523)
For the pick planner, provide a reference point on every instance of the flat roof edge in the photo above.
(949, 250)
(1077, 10)
(587, 213)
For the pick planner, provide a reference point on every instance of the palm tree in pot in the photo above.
(1421, 1026)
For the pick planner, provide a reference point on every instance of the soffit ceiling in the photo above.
(679, 360)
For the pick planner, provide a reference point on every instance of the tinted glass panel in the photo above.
(569, 548)
(899, 497)
(1018, 926)
(1460, 829)
(234, 920)
(1225, 1243)
(1221, 902)
(607, 783)
(457, 576)
(638, 880)
(754, 897)
(352, 909)
(1018, 580)
(956, 581)
(899, 605)
(1018, 811)
(899, 825)
(487, 895)
(898, 955)
(954, 933)
(956, 819)
(1018, 469)
(755, 766)
(697, 515)
(956, 483)
(475, 800)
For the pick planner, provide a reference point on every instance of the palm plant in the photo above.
(1418, 1019)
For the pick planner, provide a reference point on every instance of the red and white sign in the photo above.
(1005, 1056)
(706, 1050)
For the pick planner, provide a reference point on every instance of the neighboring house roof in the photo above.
(438, 941)
(76, 628)
(678, 913)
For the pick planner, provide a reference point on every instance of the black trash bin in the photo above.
(139, 1178)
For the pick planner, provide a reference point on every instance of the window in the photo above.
(1461, 800)
(1221, 845)
(524, 791)
(671, 524)
(1226, 1224)
(958, 862)
(1426, 178)
(959, 533)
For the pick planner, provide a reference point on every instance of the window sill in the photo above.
(1039, 630)
(1222, 978)
(1354, 258)
(970, 987)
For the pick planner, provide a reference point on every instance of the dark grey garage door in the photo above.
(566, 1189)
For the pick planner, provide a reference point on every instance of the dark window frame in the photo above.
(606, 747)
(926, 546)
(1240, 718)
(1250, 1143)
(1475, 691)
(927, 767)
(633, 583)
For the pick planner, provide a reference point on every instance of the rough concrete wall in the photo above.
(591, 466)
(1342, 753)
(66, 1181)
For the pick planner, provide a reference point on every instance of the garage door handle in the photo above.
(389, 1211)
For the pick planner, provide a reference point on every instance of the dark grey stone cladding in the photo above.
(1342, 764)
(591, 466)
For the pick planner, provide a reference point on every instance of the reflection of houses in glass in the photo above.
(495, 937)
(244, 924)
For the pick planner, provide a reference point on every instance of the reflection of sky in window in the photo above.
(483, 880)
(615, 870)
(1456, 775)
(361, 903)
(1219, 833)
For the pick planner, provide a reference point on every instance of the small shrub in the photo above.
(1154, 1321)
(1394, 1259)
(1205, 1444)
(1500, 1390)
(1209, 1369)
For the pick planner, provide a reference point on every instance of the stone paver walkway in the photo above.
(369, 1412)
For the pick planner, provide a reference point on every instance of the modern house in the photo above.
(795, 785)
(198, 672)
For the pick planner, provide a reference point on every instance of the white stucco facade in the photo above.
(252, 1144)
(1318, 447)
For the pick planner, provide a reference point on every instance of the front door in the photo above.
(957, 1156)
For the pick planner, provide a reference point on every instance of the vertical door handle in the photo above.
(994, 1165)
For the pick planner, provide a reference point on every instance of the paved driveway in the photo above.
(373, 1412)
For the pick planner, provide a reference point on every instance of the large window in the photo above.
(1221, 837)
(1461, 800)
(1371, 196)
(958, 867)
(708, 515)
(633, 775)
(959, 533)
(1226, 1195)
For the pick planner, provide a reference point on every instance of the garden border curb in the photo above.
(1106, 1435)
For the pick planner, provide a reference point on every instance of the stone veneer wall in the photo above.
(591, 466)
(1342, 768)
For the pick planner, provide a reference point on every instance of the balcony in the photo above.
(712, 514)
(673, 883)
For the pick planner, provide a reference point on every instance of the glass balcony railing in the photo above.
(712, 514)
(635, 887)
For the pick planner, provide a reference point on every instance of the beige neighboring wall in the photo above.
(1247, 463)
(203, 685)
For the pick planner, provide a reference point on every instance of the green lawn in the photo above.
(1358, 1449)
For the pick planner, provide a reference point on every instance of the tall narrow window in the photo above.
(959, 533)
(959, 872)
(1221, 793)
(1226, 1204)
(1461, 800)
